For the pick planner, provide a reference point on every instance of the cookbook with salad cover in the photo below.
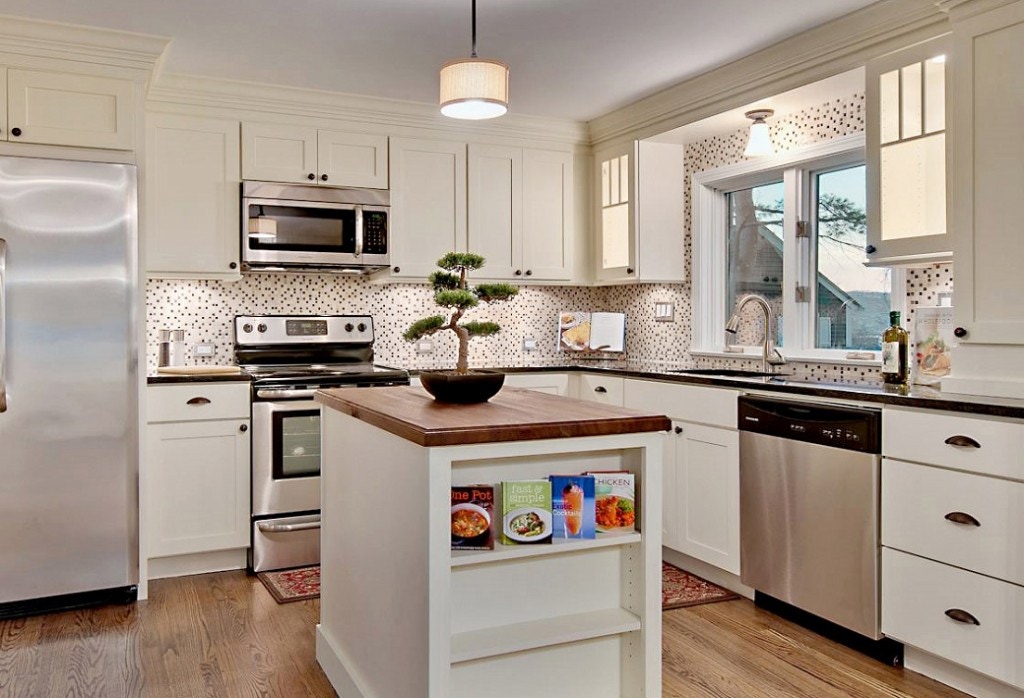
(472, 514)
(572, 506)
(614, 502)
(525, 512)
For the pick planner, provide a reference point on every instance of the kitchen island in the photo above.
(404, 616)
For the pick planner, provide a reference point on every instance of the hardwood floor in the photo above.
(222, 635)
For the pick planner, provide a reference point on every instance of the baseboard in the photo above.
(957, 676)
(329, 658)
(197, 563)
(703, 570)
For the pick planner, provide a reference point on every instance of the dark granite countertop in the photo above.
(916, 396)
(154, 378)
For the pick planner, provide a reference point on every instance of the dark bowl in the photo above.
(462, 389)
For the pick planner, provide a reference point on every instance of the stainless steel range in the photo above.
(290, 357)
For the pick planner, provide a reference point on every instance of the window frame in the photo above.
(710, 229)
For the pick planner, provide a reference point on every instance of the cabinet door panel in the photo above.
(428, 204)
(191, 196)
(198, 487)
(352, 159)
(78, 110)
(547, 224)
(495, 206)
(275, 153)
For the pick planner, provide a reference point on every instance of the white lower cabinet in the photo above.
(701, 496)
(552, 383)
(197, 477)
(599, 387)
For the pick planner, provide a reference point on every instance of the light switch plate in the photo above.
(529, 344)
(424, 346)
(664, 312)
(204, 350)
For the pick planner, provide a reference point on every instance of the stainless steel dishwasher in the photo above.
(809, 507)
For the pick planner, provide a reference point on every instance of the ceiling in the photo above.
(571, 59)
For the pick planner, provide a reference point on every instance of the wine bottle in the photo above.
(895, 352)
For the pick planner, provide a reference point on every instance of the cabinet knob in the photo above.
(233, 265)
(870, 249)
(244, 428)
(519, 272)
(311, 177)
(629, 270)
(959, 332)
(529, 272)
(678, 430)
(398, 269)
(15, 131)
(323, 178)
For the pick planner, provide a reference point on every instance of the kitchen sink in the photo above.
(726, 372)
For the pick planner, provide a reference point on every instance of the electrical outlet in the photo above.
(529, 344)
(204, 350)
(425, 346)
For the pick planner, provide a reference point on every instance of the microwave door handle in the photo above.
(359, 232)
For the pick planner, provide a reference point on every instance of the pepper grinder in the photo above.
(171, 349)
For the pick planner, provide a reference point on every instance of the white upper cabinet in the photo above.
(640, 213)
(191, 197)
(68, 109)
(521, 212)
(308, 155)
(428, 204)
(986, 178)
(906, 173)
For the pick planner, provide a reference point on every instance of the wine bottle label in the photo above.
(890, 357)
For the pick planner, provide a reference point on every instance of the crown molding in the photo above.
(277, 101)
(39, 39)
(962, 9)
(841, 45)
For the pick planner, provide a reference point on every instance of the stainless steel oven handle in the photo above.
(3, 325)
(285, 393)
(359, 233)
(287, 528)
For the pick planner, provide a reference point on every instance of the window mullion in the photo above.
(793, 326)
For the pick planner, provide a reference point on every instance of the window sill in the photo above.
(754, 354)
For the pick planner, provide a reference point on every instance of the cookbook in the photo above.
(472, 514)
(614, 502)
(525, 512)
(934, 340)
(572, 506)
(583, 331)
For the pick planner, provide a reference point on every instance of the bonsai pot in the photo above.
(464, 389)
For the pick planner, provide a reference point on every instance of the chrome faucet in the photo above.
(770, 357)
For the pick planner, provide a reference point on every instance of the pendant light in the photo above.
(262, 227)
(760, 142)
(474, 88)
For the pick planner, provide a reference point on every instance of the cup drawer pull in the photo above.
(199, 401)
(959, 517)
(961, 440)
(962, 616)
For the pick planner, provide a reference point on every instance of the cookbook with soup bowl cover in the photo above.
(472, 525)
(526, 512)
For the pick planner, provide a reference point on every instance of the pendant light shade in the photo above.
(760, 143)
(474, 88)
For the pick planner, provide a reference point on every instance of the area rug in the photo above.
(298, 584)
(680, 589)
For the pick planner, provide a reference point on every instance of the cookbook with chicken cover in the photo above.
(472, 513)
(614, 502)
(572, 506)
(525, 512)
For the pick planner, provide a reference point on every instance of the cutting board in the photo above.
(198, 370)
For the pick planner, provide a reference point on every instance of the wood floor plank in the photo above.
(223, 636)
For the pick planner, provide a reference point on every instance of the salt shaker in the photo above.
(172, 348)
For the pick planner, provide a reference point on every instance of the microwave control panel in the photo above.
(375, 232)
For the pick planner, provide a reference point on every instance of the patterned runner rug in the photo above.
(680, 588)
(298, 584)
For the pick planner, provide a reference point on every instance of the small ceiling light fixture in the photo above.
(474, 88)
(262, 227)
(760, 143)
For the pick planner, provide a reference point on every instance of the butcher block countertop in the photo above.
(511, 415)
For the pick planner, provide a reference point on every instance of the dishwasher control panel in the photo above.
(849, 428)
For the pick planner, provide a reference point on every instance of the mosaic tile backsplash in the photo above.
(205, 309)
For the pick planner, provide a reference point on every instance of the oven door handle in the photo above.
(287, 528)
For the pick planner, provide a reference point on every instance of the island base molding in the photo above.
(955, 675)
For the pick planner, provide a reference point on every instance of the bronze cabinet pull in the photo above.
(962, 616)
(199, 401)
(961, 440)
(600, 389)
(959, 517)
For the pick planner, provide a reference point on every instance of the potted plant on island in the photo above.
(452, 291)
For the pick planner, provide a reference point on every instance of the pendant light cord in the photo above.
(474, 30)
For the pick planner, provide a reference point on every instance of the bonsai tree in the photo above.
(452, 291)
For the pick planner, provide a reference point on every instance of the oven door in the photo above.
(285, 457)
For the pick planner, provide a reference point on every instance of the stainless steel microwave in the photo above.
(292, 227)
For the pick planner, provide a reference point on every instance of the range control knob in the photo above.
(261, 327)
(348, 326)
(247, 327)
(361, 327)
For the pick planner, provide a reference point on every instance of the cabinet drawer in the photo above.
(918, 593)
(976, 444)
(916, 499)
(194, 401)
(600, 388)
(687, 403)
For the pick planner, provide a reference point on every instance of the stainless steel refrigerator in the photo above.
(68, 385)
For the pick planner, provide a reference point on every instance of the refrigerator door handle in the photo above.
(3, 324)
